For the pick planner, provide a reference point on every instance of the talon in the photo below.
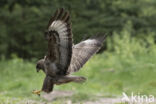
(36, 92)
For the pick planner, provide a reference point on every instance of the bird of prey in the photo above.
(63, 57)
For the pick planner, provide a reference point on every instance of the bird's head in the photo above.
(40, 65)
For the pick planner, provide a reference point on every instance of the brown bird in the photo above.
(63, 57)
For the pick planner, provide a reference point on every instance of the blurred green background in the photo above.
(127, 62)
(22, 22)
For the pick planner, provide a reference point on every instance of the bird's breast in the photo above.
(51, 69)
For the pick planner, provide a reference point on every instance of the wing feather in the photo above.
(59, 37)
(83, 51)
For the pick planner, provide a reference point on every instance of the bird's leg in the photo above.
(37, 92)
(47, 86)
(67, 79)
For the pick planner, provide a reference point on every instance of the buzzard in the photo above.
(63, 57)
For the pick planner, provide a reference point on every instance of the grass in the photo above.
(130, 67)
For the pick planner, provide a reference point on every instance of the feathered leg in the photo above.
(47, 86)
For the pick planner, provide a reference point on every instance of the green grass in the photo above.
(130, 67)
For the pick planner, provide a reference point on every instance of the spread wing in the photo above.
(83, 51)
(59, 38)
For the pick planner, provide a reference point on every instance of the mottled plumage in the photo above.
(63, 57)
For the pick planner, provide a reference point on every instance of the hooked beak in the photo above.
(37, 69)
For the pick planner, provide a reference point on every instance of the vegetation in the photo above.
(125, 69)
(22, 22)
(126, 63)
